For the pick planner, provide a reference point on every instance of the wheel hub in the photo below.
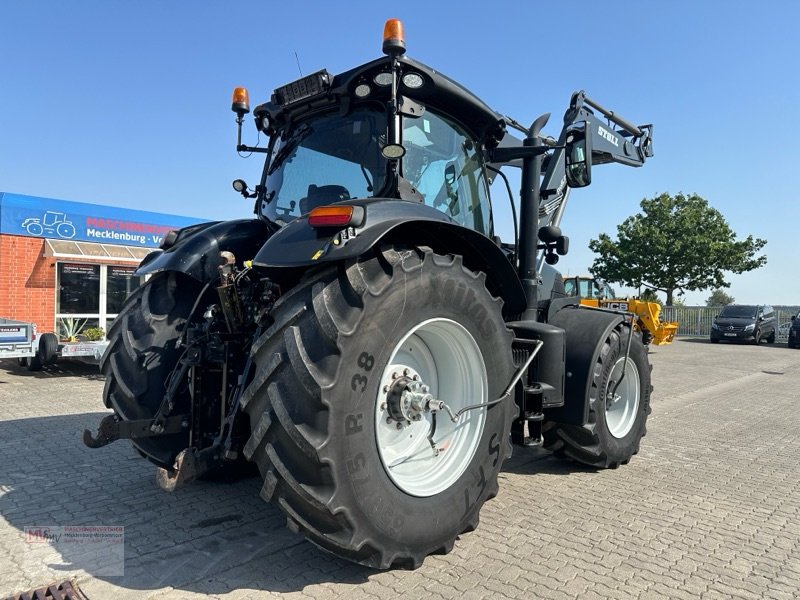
(408, 399)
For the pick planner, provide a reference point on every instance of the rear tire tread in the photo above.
(308, 493)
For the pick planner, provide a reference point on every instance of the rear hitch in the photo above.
(113, 428)
(107, 432)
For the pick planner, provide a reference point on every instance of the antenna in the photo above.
(297, 58)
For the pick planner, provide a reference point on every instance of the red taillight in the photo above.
(336, 216)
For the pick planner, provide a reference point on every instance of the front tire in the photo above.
(337, 456)
(617, 413)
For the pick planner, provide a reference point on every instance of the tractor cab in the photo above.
(390, 129)
(588, 287)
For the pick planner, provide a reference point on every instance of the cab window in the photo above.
(324, 160)
(444, 165)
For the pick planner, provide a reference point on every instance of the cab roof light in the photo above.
(240, 104)
(394, 42)
(306, 87)
(336, 216)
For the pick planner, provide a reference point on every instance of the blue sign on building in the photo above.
(82, 222)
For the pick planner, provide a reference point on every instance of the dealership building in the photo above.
(64, 262)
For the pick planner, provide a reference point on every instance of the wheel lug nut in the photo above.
(395, 375)
(385, 389)
(416, 377)
(389, 421)
(399, 425)
(405, 371)
(383, 406)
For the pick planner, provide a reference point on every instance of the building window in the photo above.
(78, 289)
(91, 295)
(120, 283)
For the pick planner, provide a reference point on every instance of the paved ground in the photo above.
(710, 508)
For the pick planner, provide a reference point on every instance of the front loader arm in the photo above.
(617, 140)
(614, 140)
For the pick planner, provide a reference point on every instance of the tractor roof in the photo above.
(437, 92)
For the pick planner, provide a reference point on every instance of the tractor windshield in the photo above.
(325, 160)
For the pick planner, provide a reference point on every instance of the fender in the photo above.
(587, 329)
(197, 254)
(400, 221)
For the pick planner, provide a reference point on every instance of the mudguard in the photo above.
(196, 252)
(385, 221)
(586, 330)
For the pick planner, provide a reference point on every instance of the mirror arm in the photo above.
(244, 148)
(505, 155)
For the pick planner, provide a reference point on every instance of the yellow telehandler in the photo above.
(598, 294)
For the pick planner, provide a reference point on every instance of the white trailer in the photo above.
(20, 340)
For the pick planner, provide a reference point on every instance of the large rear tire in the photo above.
(143, 352)
(354, 479)
(617, 414)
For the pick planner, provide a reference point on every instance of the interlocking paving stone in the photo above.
(710, 508)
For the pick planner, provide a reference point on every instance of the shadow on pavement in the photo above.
(208, 537)
(62, 368)
(535, 461)
(723, 343)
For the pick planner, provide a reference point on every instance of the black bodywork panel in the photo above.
(586, 329)
(547, 369)
(297, 245)
(197, 255)
(408, 223)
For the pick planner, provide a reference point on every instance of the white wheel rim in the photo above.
(444, 355)
(623, 406)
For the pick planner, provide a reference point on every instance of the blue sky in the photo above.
(128, 103)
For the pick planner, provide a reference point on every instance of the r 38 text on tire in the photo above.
(365, 361)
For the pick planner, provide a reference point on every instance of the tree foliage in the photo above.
(649, 295)
(677, 243)
(719, 298)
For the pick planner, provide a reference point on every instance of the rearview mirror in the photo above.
(450, 174)
(578, 155)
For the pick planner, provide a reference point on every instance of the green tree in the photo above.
(677, 243)
(649, 295)
(720, 298)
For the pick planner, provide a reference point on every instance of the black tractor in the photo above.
(366, 341)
